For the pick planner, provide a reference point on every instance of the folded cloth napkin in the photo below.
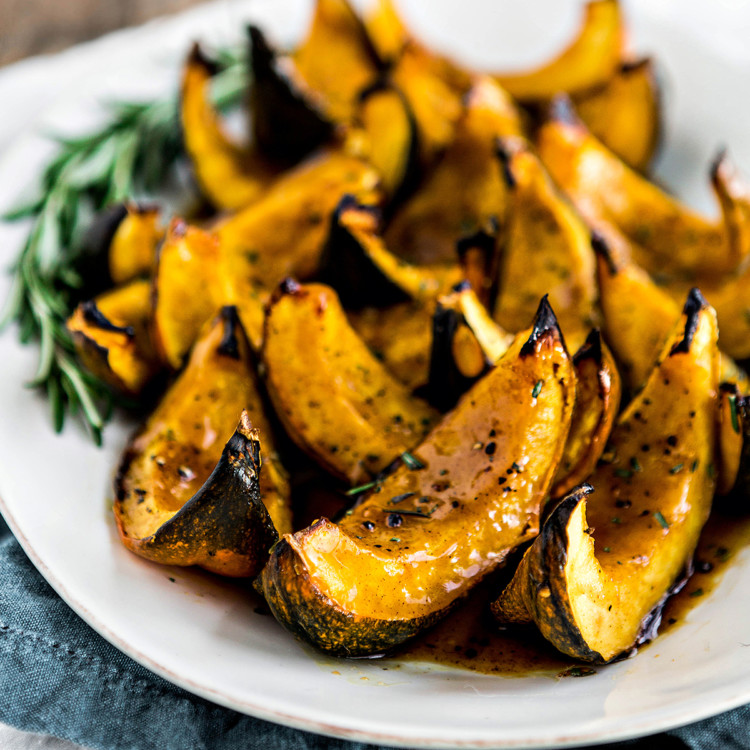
(58, 677)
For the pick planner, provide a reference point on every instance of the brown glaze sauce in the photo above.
(470, 639)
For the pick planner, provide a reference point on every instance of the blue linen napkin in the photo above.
(59, 677)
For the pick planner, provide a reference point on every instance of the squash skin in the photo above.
(289, 119)
(604, 188)
(229, 176)
(466, 344)
(357, 263)
(598, 604)
(177, 456)
(112, 338)
(598, 393)
(225, 527)
(346, 411)
(307, 579)
(625, 113)
(590, 60)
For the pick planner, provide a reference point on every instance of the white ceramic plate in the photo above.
(204, 635)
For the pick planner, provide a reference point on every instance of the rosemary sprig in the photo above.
(133, 154)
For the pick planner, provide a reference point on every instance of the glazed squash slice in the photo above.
(336, 400)
(668, 236)
(595, 579)
(228, 175)
(112, 337)
(190, 489)
(468, 495)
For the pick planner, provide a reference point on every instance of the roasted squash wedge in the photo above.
(675, 239)
(357, 263)
(387, 32)
(229, 176)
(284, 233)
(546, 250)
(465, 192)
(624, 114)
(180, 498)
(338, 402)
(598, 392)
(289, 118)
(466, 343)
(596, 578)
(638, 315)
(472, 491)
(400, 336)
(188, 254)
(392, 139)
(337, 58)
(590, 60)
(112, 337)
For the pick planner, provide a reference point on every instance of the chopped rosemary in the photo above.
(661, 520)
(697, 592)
(411, 461)
(132, 155)
(634, 463)
(417, 513)
(537, 389)
(399, 498)
(676, 469)
(361, 488)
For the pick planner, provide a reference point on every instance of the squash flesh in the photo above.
(602, 567)
(339, 403)
(376, 569)
(590, 60)
(173, 455)
(624, 113)
(465, 191)
(547, 250)
(132, 251)
(671, 238)
(229, 176)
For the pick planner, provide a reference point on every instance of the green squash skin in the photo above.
(287, 123)
(347, 268)
(311, 616)
(225, 527)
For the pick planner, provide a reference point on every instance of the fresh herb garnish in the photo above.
(417, 513)
(399, 498)
(537, 389)
(411, 461)
(697, 592)
(676, 469)
(661, 520)
(733, 412)
(132, 156)
(361, 488)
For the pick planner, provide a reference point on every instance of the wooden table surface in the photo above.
(33, 27)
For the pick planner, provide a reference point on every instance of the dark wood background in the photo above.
(32, 27)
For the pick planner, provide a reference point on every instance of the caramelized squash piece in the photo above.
(590, 60)
(188, 255)
(229, 176)
(547, 250)
(470, 493)
(392, 140)
(638, 315)
(466, 343)
(597, 577)
(675, 239)
(338, 402)
(435, 105)
(180, 498)
(289, 118)
(284, 233)
(386, 30)
(598, 392)
(465, 192)
(112, 337)
(400, 336)
(337, 58)
(624, 113)
(357, 263)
